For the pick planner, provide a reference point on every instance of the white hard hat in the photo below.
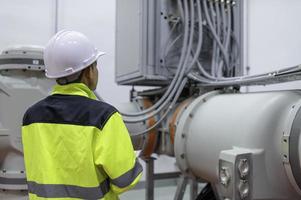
(68, 52)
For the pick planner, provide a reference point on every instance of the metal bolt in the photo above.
(243, 168)
(191, 115)
(224, 176)
(244, 189)
(183, 135)
(182, 156)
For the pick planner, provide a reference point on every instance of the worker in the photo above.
(76, 147)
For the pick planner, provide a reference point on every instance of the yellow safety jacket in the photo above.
(76, 147)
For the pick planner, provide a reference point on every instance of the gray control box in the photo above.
(235, 175)
(149, 39)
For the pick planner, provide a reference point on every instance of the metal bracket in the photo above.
(181, 188)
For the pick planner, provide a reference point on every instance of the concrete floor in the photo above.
(161, 193)
(164, 190)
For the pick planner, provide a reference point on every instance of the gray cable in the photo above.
(224, 52)
(200, 38)
(198, 78)
(210, 77)
(229, 25)
(166, 112)
(214, 50)
(180, 5)
(190, 43)
(239, 79)
(229, 31)
(225, 22)
(235, 49)
(224, 36)
(219, 32)
(155, 112)
(192, 12)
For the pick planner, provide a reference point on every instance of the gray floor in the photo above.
(161, 193)
(164, 190)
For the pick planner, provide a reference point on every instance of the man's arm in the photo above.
(115, 154)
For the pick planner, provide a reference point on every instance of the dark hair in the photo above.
(74, 78)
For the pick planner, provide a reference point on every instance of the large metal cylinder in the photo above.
(247, 145)
(22, 83)
(15, 97)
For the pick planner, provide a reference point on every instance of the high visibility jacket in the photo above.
(76, 147)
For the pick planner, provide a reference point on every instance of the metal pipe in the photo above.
(56, 16)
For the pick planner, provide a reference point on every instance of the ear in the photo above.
(87, 73)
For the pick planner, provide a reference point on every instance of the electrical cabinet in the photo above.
(265, 37)
(149, 41)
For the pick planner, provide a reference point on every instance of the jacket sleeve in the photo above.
(113, 151)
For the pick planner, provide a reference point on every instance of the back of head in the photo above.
(67, 53)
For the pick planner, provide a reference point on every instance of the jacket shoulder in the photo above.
(101, 109)
(31, 110)
(69, 109)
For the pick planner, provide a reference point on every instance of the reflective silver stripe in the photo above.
(127, 178)
(71, 191)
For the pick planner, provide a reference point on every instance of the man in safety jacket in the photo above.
(76, 147)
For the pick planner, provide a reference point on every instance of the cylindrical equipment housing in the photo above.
(218, 130)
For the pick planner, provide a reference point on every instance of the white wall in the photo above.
(32, 22)
(96, 19)
(273, 38)
(25, 23)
